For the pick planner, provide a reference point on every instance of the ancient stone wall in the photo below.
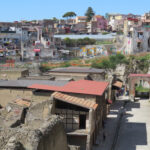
(54, 139)
(41, 130)
(13, 74)
(9, 94)
(98, 77)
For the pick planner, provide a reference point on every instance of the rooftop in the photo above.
(80, 86)
(26, 83)
(118, 84)
(78, 70)
(75, 101)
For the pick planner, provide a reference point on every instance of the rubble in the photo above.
(36, 130)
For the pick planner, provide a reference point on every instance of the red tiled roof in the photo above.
(81, 17)
(98, 16)
(75, 101)
(23, 102)
(81, 86)
(139, 75)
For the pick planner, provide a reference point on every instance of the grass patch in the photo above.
(104, 42)
(142, 89)
(105, 33)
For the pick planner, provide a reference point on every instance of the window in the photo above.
(82, 121)
(139, 44)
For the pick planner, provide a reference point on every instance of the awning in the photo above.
(75, 100)
(36, 50)
(1, 50)
(118, 84)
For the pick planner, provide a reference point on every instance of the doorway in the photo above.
(82, 121)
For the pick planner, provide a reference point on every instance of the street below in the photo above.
(127, 126)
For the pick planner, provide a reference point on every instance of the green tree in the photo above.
(54, 19)
(89, 13)
(107, 16)
(69, 14)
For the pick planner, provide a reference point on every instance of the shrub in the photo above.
(140, 88)
(105, 33)
(78, 42)
(111, 62)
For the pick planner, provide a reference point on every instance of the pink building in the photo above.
(101, 22)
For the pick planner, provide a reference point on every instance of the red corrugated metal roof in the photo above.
(81, 86)
(139, 75)
(75, 101)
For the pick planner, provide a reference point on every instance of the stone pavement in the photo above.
(110, 127)
(134, 127)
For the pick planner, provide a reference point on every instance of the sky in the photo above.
(16, 10)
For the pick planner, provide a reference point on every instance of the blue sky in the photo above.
(15, 10)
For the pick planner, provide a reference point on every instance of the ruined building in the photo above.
(51, 115)
(136, 35)
(25, 126)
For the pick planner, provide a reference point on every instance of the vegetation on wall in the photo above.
(110, 62)
(119, 32)
(79, 42)
(105, 33)
(134, 63)
(104, 42)
(140, 62)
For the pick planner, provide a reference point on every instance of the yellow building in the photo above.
(115, 17)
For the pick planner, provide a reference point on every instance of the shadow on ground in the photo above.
(130, 134)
